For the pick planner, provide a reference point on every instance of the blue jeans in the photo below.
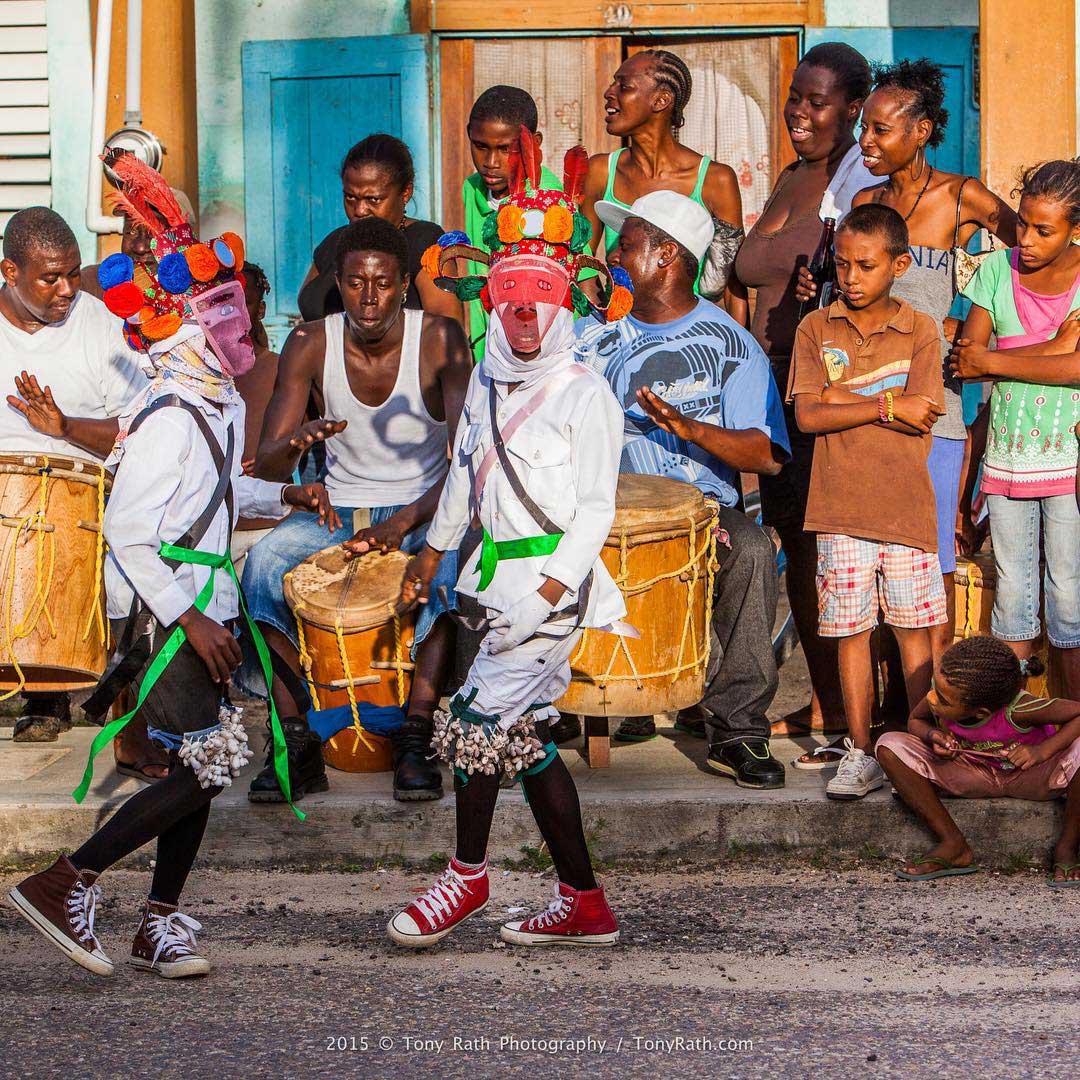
(1015, 526)
(290, 543)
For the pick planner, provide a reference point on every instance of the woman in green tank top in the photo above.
(645, 104)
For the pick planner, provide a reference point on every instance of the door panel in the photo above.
(305, 103)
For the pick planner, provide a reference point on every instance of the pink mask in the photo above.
(223, 318)
(527, 292)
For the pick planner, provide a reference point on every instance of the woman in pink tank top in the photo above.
(979, 735)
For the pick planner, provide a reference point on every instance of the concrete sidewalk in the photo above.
(656, 799)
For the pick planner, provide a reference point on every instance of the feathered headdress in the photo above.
(154, 305)
(535, 221)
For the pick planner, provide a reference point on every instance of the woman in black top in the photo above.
(377, 179)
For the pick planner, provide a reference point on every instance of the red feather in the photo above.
(144, 195)
(515, 169)
(575, 168)
(531, 157)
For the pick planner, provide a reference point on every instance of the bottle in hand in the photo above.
(823, 269)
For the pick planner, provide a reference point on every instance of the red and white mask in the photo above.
(527, 293)
(223, 318)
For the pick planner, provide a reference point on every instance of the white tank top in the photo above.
(390, 454)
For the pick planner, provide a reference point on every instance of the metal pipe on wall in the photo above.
(96, 221)
(133, 97)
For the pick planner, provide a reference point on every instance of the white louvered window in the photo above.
(24, 108)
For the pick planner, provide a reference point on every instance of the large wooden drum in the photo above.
(661, 553)
(52, 604)
(974, 584)
(352, 647)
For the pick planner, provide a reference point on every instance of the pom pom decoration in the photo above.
(511, 220)
(235, 245)
(429, 261)
(123, 300)
(202, 262)
(489, 234)
(161, 326)
(580, 303)
(620, 277)
(485, 298)
(558, 225)
(582, 234)
(470, 288)
(223, 253)
(622, 300)
(144, 314)
(174, 274)
(455, 236)
(115, 270)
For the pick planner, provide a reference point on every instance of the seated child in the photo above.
(866, 380)
(978, 735)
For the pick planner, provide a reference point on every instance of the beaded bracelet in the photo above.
(889, 417)
(882, 414)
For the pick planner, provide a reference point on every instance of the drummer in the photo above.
(58, 342)
(391, 381)
(701, 406)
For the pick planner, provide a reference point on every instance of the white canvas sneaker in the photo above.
(857, 775)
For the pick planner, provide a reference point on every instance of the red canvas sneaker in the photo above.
(165, 943)
(573, 918)
(460, 893)
(60, 904)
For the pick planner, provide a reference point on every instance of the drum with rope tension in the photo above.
(661, 551)
(352, 645)
(53, 630)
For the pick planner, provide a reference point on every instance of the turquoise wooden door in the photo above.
(305, 103)
(951, 47)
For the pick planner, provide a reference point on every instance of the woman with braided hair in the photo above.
(979, 735)
(646, 105)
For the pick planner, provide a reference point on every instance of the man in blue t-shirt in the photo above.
(700, 406)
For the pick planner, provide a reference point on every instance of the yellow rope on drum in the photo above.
(42, 581)
(305, 662)
(361, 734)
(99, 565)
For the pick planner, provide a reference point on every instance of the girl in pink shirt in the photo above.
(979, 735)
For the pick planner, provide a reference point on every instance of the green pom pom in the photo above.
(582, 234)
(470, 288)
(581, 303)
(490, 234)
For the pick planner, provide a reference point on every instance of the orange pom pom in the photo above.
(622, 300)
(161, 326)
(511, 220)
(202, 263)
(429, 261)
(236, 246)
(558, 225)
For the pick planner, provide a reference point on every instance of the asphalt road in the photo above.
(747, 970)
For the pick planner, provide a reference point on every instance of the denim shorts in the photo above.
(946, 461)
(1015, 527)
(288, 545)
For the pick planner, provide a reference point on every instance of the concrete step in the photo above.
(655, 800)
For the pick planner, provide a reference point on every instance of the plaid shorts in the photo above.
(858, 578)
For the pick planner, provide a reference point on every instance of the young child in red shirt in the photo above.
(866, 380)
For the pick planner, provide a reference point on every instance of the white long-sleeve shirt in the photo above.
(163, 483)
(566, 455)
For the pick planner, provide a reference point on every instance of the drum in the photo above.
(661, 553)
(974, 584)
(352, 647)
(52, 603)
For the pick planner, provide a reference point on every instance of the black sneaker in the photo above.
(45, 714)
(748, 762)
(565, 729)
(307, 771)
(417, 776)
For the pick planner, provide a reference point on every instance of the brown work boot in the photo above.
(165, 943)
(60, 903)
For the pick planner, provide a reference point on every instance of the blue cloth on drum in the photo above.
(381, 720)
(289, 544)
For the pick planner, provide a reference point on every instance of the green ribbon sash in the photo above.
(172, 647)
(492, 552)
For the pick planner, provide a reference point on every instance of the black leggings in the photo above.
(175, 810)
(553, 799)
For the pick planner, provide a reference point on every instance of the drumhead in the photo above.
(361, 593)
(63, 466)
(656, 506)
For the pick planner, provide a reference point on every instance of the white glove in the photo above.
(520, 622)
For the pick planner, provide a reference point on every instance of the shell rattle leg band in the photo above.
(217, 754)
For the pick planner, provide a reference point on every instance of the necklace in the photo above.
(918, 198)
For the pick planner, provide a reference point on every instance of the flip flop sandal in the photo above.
(948, 869)
(836, 747)
(138, 771)
(691, 725)
(1064, 868)
(635, 729)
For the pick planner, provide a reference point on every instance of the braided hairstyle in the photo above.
(671, 73)
(1057, 181)
(986, 672)
(385, 151)
(921, 83)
